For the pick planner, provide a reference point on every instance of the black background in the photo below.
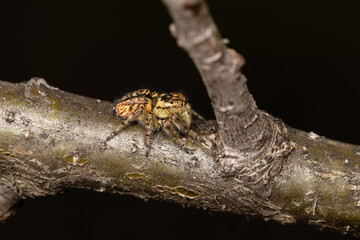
(302, 65)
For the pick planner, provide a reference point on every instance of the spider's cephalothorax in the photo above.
(169, 112)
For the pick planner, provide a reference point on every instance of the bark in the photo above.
(51, 141)
(252, 142)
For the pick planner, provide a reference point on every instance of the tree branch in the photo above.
(51, 141)
(219, 66)
(256, 149)
(248, 135)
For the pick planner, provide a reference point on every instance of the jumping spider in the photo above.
(169, 112)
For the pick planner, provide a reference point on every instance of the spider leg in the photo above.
(168, 127)
(197, 115)
(190, 133)
(155, 122)
(123, 123)
(180, 124)
(147, 132)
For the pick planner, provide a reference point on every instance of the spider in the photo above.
(168, 112)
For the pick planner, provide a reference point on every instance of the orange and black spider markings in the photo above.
(128, 108)
(138, 93)
(168, 112)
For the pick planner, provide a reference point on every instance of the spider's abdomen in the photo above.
(129, 107)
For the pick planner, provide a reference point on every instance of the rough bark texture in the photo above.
(252, 143)
(51, 141)
(234, 107)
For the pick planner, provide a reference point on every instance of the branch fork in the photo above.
(248, 135)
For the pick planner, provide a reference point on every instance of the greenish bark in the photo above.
(51, 141)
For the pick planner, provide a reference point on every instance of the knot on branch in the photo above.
(259, 166)
(37, 89)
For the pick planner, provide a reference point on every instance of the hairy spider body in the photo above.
(169, 112)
